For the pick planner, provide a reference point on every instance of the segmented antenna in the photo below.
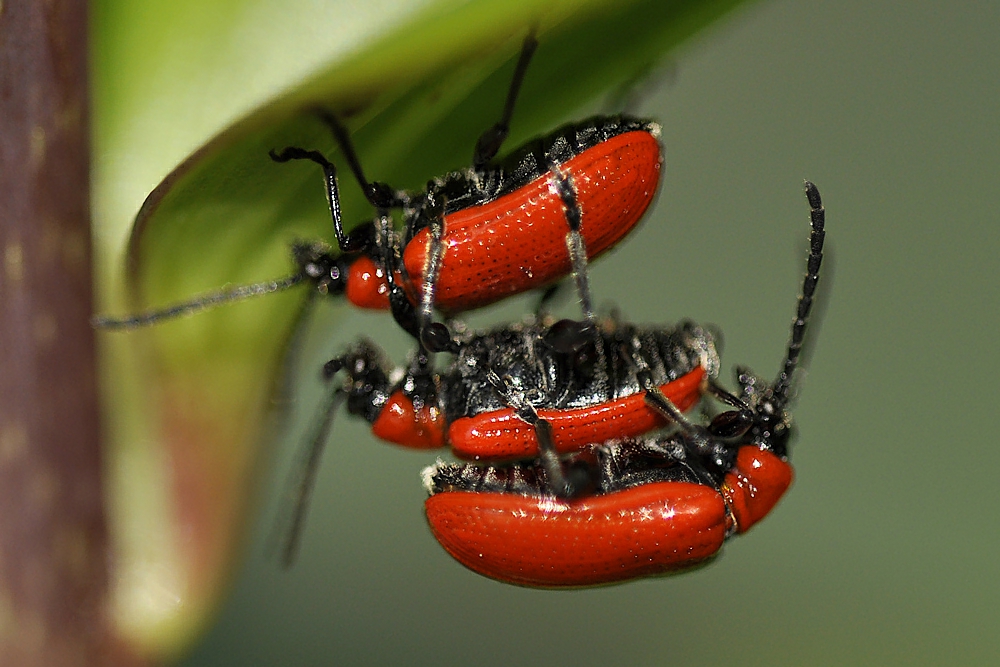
(292, 518)
(817, 217)
(203, 302)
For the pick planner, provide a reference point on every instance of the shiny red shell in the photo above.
(545, 542)
(755, 485)
(401, 424)
(518, 242)
(501, 435)
(366, 285)
(653, 529)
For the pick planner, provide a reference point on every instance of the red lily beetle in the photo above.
(582, 392)
(653, 506)
(672, 519)
(477, 408)
(475, 236)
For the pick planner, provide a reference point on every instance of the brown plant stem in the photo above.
(53, 538)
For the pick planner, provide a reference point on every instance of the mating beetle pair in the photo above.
(575, 489)
(656, 505)
(572, 406)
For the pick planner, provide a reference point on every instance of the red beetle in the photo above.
(670, 520)
(516, 241)
(504, 226)
(582, 392)
(478, 235)
(655, 506)
(478, 405)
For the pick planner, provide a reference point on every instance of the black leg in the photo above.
(433, 335)
(696, 438)
(492, 139)
(380, 195)
(569, 335)
(575, 244)
(547, 296)
(399, 303)
(548, 457)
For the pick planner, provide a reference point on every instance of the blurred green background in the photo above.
(884, 551)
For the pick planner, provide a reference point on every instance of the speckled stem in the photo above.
(53, 539)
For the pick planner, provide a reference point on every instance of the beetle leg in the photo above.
(491, 140)
(380, 195)
(434, 336)
(402, 309)
(575, 244)
(548, 457)
(555, 291)
(697, 439)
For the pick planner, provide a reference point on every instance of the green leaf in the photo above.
(415, 97)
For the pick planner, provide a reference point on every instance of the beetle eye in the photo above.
(731, 424)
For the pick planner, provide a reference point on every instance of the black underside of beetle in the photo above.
(614, 466)
(602, 371)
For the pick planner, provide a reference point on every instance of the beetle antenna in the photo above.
(817, 218)
(301, 482)
(203, 302)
